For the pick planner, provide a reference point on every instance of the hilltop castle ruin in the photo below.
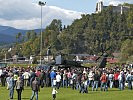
(118, 9)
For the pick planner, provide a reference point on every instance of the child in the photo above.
(54, 93)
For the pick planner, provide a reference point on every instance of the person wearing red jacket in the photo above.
(103, 80)
(116, 82)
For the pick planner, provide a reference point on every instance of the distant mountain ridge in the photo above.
(10, 30)
(8, 34)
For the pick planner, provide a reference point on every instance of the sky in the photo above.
(25, 14)
(86, 6)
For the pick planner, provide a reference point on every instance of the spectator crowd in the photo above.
(16, 78)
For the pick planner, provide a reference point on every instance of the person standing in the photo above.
(47, 75)
(79, 76)
(103, 80)
(19, 87)
(69, 76)
(74, 77)
(58, 80)
(129, 80)
(3, 78)
(42, 78)
(26, 76)
(7, 81)
(35, 88)
(15, 77)
(64, 79)
(52, 76)
(11, 86)
(96, 80)
(54, 83)
(111, 77)
(121, 79)
(83, 88)
(116, 81)
(91, 78)
(32, 77)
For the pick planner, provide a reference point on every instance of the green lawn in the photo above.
(69, 94)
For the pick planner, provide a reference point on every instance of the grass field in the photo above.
(69, 94)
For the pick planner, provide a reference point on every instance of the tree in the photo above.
(90, 34)
(126, 50)
(19, 37)
(28, 34)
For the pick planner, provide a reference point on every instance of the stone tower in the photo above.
(99, 7)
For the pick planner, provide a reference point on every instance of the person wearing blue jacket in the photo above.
(129, 79)
(52, 76)
(11, 86)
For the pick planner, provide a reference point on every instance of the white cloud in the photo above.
(116, 2)
(24, 14)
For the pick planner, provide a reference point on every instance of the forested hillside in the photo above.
(92, 34)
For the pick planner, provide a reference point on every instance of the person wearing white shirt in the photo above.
(54, 92)
(91, 78)
(26, 78)
(74, 76)
(111, 77)
(58, 79)
(84, 72)
(54, 82)
(121, 80)
(1, 71)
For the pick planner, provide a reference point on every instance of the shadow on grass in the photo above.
(99, 91)
(114, 90)
(26, 98)
(22, 98)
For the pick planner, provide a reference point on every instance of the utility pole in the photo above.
(5, 57)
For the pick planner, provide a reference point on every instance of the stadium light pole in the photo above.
(40, 3)
(5, 57)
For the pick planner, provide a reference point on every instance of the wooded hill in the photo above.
(92, 34)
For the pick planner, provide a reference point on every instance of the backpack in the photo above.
(21, 84)
(35, 85)
(129, 78)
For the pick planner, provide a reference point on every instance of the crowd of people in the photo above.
(76, 78)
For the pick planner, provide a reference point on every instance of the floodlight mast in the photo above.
(41, 4)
